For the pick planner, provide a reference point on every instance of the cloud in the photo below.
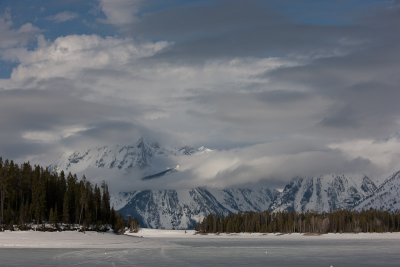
(119, 12)
(221, 29)
(278, 98)
(63, 16)
(56, 135)
(43, 119)
(383, 153)
(11, 37)
(73, 53)
(360, 89)
(262, 163)
(275, 162)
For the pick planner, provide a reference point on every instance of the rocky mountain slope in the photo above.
(323, 194)
(183, 208)
(385, 197)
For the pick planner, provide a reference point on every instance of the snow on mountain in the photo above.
(245, 199)
(323, 194)
(149, 159)
(183, 208)
(118, 201)
(386, 196)
(138, 156)
(188, 150)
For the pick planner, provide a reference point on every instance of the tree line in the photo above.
(341, 221)
(35, 195)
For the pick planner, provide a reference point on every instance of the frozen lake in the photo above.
(213, 251)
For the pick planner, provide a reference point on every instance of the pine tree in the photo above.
(105, 203)
(53, 216)
(66, 218)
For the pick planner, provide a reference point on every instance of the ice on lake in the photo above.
(211, 251)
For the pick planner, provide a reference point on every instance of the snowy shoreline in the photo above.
(149, 238)
(71, 239)
(157, 233)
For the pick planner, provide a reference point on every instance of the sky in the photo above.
(280, 88)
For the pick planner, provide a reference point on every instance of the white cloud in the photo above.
(40, 136)
(119, 12)
(164, 97)
(11, 37)
(71, 54)
(266, 162)
(63, 16)
(383, 153)
(54, 135)
(250, 165)
(116, 67)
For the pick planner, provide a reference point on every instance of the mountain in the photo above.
(323, 194)
(137, 156)
(144, 158)
(385, 197)
(183, 208)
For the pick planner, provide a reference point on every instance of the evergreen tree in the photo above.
(290, 222)
(105, 203)
(35, 195)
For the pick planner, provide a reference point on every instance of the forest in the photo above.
(33, 195)
(341, 221)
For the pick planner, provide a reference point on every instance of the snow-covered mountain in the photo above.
(183, 208)
(148, 159)
(323, 194)
(385, 197)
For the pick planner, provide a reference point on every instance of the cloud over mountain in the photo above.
(277, 93)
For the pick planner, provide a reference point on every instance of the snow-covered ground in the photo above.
(158, 233)
(180, 249)
(150, 238)
(71, 239)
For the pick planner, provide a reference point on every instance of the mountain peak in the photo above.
(145, 156)
(140, 142)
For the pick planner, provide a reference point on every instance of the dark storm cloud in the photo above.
(38, 109)
(341, 118)
(24, 111)
(361, 86)
(280, 97)
(111, 132)
(17, 148)
(237, 29)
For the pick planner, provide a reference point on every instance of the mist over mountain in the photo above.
(139, 165)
